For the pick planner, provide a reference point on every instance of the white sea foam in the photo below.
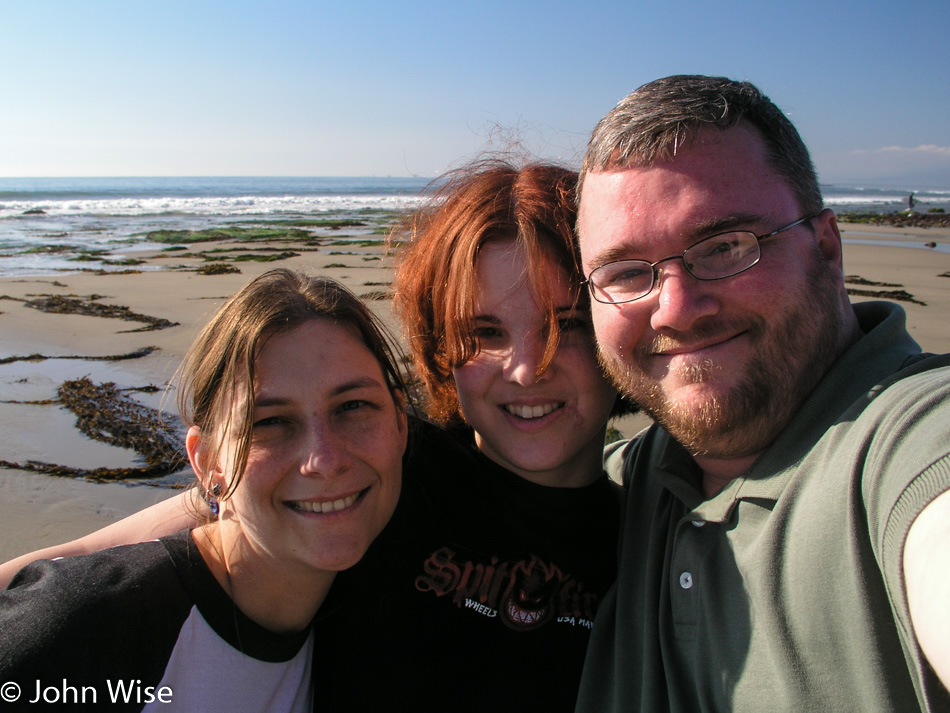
(65, 217)
(208, 205)
(865, 200)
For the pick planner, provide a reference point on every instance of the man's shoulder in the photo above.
(922, 382)
(915, 400)
(624, 459)
(937, 366)
(614, 456)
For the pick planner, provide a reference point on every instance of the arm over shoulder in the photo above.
(165, 518)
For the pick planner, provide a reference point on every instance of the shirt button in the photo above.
(698, 523)
(686, 580)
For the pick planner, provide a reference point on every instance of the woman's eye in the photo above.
(269, 421)
(571, 324)
(268, 428)
(487, 332)
(352, 405)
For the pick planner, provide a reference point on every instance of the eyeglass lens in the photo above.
(714, 258)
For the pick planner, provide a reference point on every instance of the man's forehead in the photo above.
(706, 149)
(614, 206)
(605, 240)
(715, 184)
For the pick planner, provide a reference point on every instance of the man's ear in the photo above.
(829, 238)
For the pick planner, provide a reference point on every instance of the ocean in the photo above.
(47, 223)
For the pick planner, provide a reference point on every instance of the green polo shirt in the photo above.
(784, 592)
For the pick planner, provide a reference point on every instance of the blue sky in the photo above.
(286, 87)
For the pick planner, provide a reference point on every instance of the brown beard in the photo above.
(791, 354)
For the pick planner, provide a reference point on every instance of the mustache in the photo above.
(704, 332)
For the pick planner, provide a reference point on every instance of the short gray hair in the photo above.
(652, 122)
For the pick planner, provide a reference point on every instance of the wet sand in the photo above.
(37, 509)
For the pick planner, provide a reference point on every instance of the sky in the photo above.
(416, 87)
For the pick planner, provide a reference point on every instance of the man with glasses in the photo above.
(786, 540)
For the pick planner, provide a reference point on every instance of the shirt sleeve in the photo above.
(84, 621)
(907, 458)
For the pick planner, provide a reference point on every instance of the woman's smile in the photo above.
(545, 425)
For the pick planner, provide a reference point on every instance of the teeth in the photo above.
(326, 507)
(523, 616)
(531, 411)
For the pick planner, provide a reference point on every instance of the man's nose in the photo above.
(680, 300)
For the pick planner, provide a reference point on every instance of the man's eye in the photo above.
(723, 246)
(633, 273)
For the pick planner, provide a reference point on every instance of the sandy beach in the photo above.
(42, 350)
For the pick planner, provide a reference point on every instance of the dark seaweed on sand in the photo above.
(59, 304)
(218, 268)
(137, 354)
(897, 220)
(106, 414)
(896, 295)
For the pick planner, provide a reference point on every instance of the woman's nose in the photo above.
(324, 452)
(525, 360)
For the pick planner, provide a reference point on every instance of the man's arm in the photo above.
(167, 517)
(927, 577)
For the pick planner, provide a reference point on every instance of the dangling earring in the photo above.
(212, 497)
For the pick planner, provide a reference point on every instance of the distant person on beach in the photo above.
(297, 431)
(910, 202)
(786, 539)
(480, 594)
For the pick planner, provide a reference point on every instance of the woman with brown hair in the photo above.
(297, 428)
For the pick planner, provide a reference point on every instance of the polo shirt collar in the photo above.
(883, 350)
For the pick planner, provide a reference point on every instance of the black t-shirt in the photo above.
(478, 596)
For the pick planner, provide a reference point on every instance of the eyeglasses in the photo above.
(713, 258)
